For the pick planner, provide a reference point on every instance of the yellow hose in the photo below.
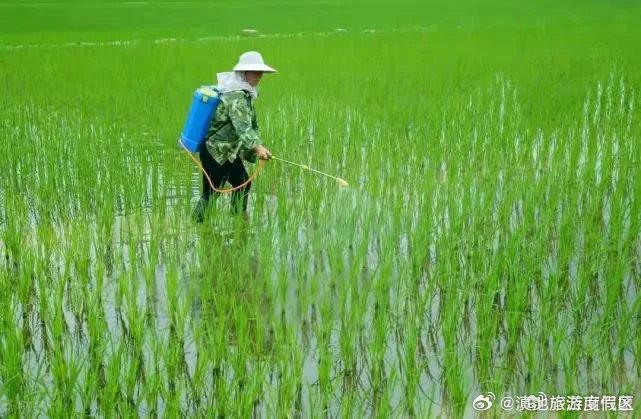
(211, 184)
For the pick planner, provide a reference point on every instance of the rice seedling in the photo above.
(479, 230)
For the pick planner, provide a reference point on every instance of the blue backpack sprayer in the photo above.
(192, 138)
(203, 107)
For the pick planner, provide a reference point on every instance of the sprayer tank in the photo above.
(199, 118)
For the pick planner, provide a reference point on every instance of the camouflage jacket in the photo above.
(234, 130)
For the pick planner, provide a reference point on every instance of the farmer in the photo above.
(233, 134)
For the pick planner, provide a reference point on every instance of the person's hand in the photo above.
(262, 152)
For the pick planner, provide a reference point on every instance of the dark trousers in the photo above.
(232, 172)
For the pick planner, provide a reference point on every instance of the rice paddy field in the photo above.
(489, 240)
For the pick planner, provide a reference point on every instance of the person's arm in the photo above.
(240, 114)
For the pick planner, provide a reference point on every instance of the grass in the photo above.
(489, 240)
(69, 21)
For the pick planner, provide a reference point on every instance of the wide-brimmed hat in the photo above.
(252, 61)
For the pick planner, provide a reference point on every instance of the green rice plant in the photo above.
(488, 240)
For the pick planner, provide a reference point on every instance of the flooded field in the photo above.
(490, 240)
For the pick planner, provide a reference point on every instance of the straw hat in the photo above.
(252, 61)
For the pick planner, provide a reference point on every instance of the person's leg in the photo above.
(237, 176)
(216, 173)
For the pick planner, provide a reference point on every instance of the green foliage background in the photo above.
(489, 241)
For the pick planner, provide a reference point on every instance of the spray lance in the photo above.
(341, 182)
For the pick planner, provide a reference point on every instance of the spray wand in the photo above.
(341, 181)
